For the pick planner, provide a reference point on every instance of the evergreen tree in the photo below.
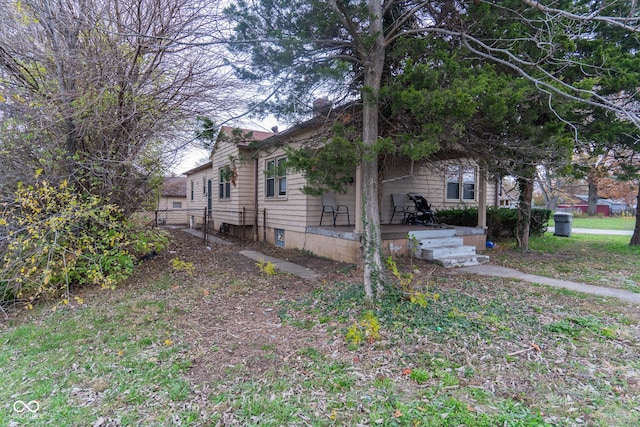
(391, 57)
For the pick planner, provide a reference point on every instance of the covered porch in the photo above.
(342, 242)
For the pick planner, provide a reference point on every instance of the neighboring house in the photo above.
(172, 193)
(604, 207)
(171, 202)
(260, 198)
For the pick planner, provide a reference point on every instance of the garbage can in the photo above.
(563, 223)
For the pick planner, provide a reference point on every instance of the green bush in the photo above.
(501, 222)
(467, 217)
(539, 221)
(58, 237)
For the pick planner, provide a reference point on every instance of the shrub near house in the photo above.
(501, 223)
(60, 237)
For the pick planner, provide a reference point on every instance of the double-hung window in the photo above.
(461, 183)
(224, 183)
(276, 178)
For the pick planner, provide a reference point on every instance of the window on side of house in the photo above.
(276, 178)
(461, 183)
(192, 187)
(281, 172)
(177, 205)
(204, 185)
(224, 184)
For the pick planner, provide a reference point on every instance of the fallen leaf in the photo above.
(406, 371)
(397, 414)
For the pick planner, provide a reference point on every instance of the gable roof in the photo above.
(174, 187)
(341, 114)
(241, 142)
(197, 169)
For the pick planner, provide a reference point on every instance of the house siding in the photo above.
(166, 202)
(231, 210)
(430, 182)
(283, 212)
(196, 207)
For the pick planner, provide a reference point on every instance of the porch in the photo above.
(445, 244)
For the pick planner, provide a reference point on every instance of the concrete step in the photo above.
(431, 233)
(447, 251)
(437, 242)
(462, 261)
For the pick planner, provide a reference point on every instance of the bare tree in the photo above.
(100, 91)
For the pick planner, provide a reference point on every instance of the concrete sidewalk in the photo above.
(595, 231)
(286, 266)
(211, 238)
(499, 271)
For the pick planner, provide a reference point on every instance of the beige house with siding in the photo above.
(234, 201)
(197, 196)
(254, 196)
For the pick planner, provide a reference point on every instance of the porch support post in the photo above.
(482, 199)
(358, 210)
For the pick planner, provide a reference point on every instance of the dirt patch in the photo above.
(236, 320)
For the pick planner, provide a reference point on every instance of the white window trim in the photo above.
(276, 179)
(460, 173)
(225, 185)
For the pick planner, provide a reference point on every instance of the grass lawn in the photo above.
(603, 223)
(231, 345)
(593, 259)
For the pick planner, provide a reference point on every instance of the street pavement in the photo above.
(594, 231)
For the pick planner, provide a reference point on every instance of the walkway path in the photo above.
(499, 271)
(211, 238)
(490, 270)
(286, 266)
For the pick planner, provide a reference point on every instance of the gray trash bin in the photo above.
(563, 223)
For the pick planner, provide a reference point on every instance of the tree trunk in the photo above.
(592, 207)
(552, 202)
(635, 239)
(373, 59)
(63, 50)
(525, 185)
